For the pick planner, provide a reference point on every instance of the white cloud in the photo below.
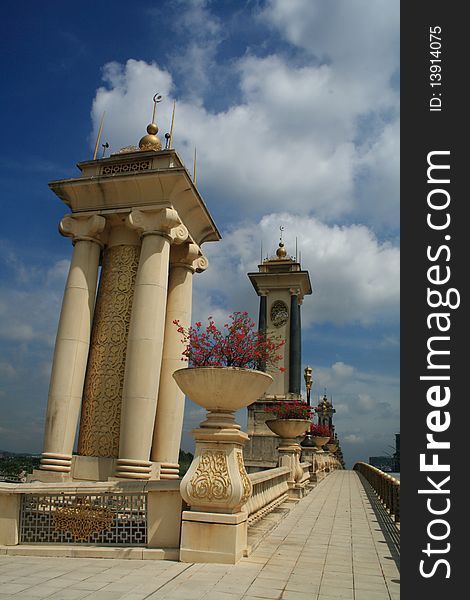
(293, 139)
(359, 38)
(352, 438)
(202, 33)
(354, 277)
(342, 370)
(30, 304)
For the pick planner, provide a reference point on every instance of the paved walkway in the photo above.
(329, 547)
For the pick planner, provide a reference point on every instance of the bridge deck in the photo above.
(333, 544)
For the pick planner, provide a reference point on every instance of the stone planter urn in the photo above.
(288, 429)
(319, 442)
(331, 447)
(216, 485)
(289, 449)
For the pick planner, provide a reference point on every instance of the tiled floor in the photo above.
(330, 546)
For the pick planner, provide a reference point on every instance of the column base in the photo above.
(127, 468)
(213, 537)
(58, 463)
(296, 491)
(169, 470)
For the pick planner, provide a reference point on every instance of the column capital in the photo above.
(188, 256)
(263, 292)
(158, 221)
(81, 227)
(294, 291)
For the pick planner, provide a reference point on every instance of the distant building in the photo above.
(386, 463)
(396, 456)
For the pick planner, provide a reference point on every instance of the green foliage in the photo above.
(15, 465)
(185, 459)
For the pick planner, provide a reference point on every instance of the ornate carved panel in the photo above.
(244, 477)
(211, 479)
(126, 167)
(279, 313)
(101, 408)
(81, 518)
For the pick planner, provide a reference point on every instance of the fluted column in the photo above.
(184, 261)
(294, 343)
(158, 228)
(72, 342)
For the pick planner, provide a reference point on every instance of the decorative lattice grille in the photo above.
(101, 519)
(126, 167)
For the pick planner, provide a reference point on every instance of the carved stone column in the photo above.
(158, 228)
(101, 408)
(72, 342)
(184, 261)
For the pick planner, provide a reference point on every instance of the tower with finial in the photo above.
(138, 214)
(281, 285)
(325, 412)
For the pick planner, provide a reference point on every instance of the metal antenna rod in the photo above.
(172, 123)
(99, 136)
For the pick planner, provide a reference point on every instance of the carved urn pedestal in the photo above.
(289, 450)
(216, 485)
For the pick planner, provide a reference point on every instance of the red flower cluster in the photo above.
(238, 346)
(290, 409)
(319, 430)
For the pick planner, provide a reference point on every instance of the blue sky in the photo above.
(293, 107)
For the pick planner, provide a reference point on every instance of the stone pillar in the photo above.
(184, 261)
(263, 320)
(101, 408)
(294, 343)
(216, 487)
(72, 342)
(145, 341)
(289, 456)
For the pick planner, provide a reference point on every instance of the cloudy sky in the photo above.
(293, 107)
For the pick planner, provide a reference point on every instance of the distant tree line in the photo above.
(16, 466)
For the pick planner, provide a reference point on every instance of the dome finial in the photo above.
(281, 251)
(151, 141)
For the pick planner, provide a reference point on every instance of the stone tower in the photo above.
(139, 215)
(281, 286)
(325, 412)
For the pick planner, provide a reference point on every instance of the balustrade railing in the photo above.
(270, 489)
(386, 487)
(305, 466)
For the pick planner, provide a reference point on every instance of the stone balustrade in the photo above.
(270, 489)
(386, 487)
(305, 466)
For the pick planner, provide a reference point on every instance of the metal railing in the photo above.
(269, 491)
(98, 519)
(386, 487)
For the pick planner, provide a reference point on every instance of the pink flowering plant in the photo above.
(290, 409)
(238, 344)
(320, 431)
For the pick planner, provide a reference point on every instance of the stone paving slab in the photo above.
(328, 547)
